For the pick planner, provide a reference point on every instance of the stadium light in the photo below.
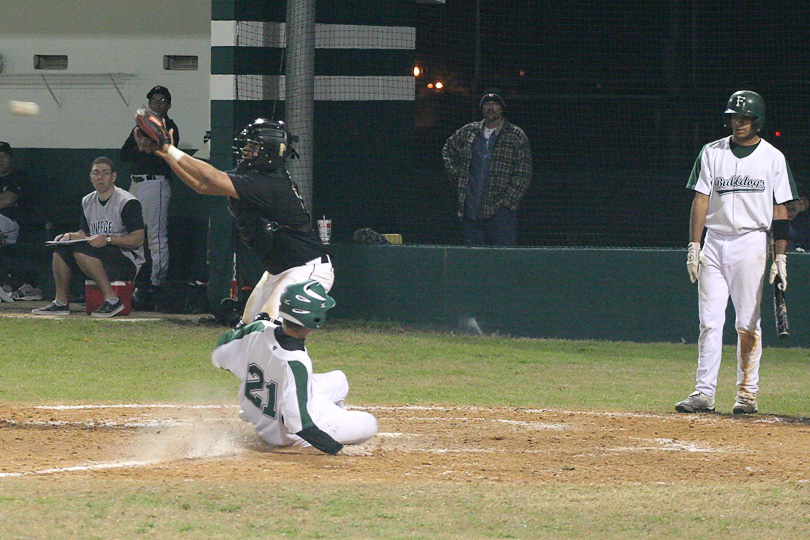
(417, 71)
(439, 85)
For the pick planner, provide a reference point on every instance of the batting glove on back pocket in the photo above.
(694, 260)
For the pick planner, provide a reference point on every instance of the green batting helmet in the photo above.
(747, 103)
(305, 303)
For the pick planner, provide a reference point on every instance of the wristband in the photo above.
(780, 228)
(175, 153)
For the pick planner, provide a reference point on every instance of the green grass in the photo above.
(86, 361)
(310, 510)
(112, 361)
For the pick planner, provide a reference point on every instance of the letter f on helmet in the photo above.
(747, 103)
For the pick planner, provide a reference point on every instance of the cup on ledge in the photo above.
(325, 229)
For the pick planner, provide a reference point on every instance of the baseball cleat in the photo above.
(745, 405)
(696, 402)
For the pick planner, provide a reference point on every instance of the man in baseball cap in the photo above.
(490, 164)
(159, 90)
(150, 184)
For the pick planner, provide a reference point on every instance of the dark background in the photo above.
(617, 98)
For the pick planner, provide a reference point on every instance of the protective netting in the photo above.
(616, 98)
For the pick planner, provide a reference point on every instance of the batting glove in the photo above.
(779, 268)
(694, 259)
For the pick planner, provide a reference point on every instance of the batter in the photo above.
(287, 403)
(741, 184)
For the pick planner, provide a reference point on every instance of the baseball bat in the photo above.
(235, 273)
(779, 303)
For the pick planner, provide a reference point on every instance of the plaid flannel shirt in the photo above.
(510, 172)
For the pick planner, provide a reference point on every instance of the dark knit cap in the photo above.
(492, 95)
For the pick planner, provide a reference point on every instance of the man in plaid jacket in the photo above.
(490, 162)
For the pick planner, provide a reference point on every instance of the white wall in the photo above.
(103, 37)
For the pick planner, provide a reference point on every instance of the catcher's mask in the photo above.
(305, 303)
(746, 103)
(271, 140)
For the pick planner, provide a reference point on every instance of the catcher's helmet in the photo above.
(305, 303)
(747, 103)
(273, 140)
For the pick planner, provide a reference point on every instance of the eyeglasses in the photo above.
(159, 100)
(98, 174)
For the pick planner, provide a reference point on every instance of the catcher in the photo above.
(287, 403)
(270, 214)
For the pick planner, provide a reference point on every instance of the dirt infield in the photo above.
(454, 444)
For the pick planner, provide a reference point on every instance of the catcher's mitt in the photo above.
(152, 126)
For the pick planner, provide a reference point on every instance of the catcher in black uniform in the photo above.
(270, 214)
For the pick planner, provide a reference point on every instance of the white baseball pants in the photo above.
(735, 266)
(154, 196)
(329, 390)
(266, 295)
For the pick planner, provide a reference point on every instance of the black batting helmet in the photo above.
(273, 140)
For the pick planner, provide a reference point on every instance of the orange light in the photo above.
(430, 85)
(439, 85)
(417, 71)
(522, 72)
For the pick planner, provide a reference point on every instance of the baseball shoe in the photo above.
(745, 404)
(27, 293)
(696, 402)
(5, 294)
(109, 309)
(52, 309)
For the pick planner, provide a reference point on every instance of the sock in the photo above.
(111, 300)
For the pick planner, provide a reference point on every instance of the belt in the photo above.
(142, 177)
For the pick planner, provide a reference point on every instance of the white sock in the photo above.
(111, 300)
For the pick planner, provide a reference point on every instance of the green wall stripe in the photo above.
(327, 11)
(328, 62)
(223, 10)
(363, 62)
(252, 60)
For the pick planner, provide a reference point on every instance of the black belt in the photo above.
(141, 177)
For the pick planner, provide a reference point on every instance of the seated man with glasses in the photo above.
(150, 184)
(108, 246)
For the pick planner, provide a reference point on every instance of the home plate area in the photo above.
(415, 443)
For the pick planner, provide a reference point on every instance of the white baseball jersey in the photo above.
(742, 191)
(282, 397)
(105, 218)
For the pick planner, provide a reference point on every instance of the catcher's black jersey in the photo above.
(273, 197)
(144, 162)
